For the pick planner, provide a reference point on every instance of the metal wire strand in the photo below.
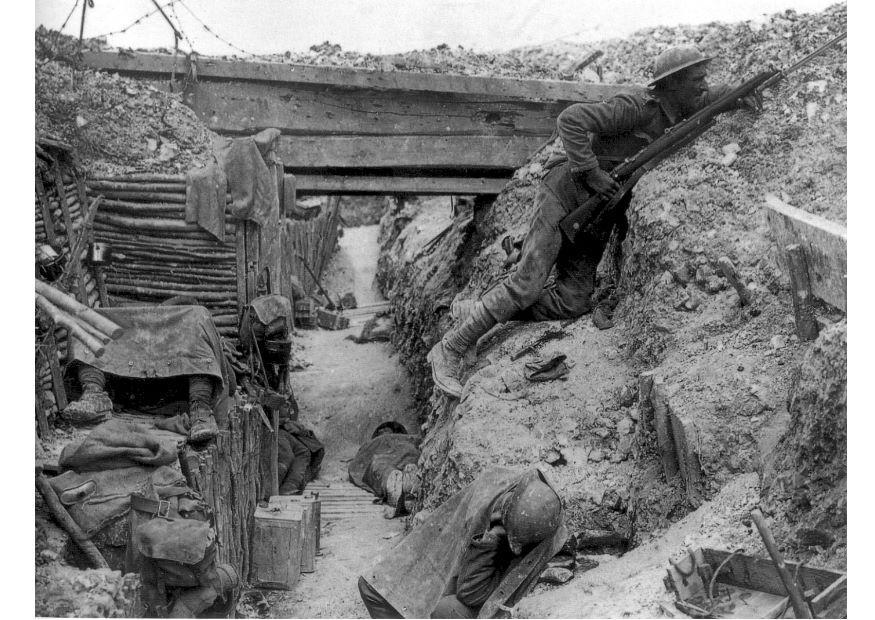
(212, 32)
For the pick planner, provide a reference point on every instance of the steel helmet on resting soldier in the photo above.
(620, 127)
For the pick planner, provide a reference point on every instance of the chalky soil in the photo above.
(347, 391)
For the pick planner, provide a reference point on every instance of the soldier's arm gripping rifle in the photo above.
(595, 211)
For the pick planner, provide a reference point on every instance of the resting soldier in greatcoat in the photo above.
(620, 127)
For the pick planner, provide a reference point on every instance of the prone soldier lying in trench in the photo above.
(477, 553)
(167, 354)
(386, 465)
(595, 136)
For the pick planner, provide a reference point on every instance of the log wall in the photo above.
(157, 255)
(228, 475)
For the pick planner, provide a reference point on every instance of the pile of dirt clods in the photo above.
(735, 377)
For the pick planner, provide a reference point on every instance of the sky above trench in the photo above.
(388, 26)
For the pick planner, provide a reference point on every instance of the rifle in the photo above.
(596, 210)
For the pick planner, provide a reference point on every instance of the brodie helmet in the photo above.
(676, 59)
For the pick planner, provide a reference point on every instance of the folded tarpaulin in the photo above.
(158, 341)
(117, 443)
(376, 459)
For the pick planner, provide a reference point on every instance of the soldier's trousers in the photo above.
(524, 294)
(293, 464)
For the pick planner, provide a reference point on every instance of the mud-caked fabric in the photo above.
(293, 462)
(482, 567)
(451, 607)
(89, 376)
(200, 390)
(526, 289)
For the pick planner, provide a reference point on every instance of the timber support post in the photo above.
(800, 290)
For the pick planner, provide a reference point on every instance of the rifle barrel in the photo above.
(820, 50)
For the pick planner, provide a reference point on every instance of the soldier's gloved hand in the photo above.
(753, 102)
(601, 182)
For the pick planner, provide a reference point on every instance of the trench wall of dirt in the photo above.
(724, 369)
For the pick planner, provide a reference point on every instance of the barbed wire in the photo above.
(212, 32)
(69, 15)
(136, 21)
(179, 26)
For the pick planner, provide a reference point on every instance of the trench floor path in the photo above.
(347, 391)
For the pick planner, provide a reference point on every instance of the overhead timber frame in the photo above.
(352, 131)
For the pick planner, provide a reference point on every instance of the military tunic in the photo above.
(594, 135)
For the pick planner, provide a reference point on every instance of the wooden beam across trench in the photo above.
(351, 120)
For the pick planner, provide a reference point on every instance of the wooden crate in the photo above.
(311, 508)
(305, 313)
(328, 319)
(277, 540)
(746, 586)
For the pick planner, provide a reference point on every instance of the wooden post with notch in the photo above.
(99, 276)
(82, 294)
(800, 290)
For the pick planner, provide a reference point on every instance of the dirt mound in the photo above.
(725, 369)
(116, 125)
(805, 483)
(64, 591)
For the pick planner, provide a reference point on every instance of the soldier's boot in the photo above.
(214, 583)
(394, 494)
(94, 406)
(446, 356)
(202, 424)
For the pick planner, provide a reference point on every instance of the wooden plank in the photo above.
(760, 573)
(249, 107)
(825, 244)
(378, 185)
(662, 422)
(452, 152)
(800, 291)
(686, 441)
(142, 64)
(240, 259)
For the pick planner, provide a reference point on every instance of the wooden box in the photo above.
(305, 313)
(746, 586)
(277, 539)
(329, 319)
(311, 509)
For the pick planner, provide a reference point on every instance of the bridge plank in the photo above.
(214, 68)
(482, 152)
(249, 107)
(379, 185)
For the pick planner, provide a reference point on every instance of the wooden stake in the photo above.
(48, 223)
(800, 607)
(800, 289)
(51, 354)
(68, 225)
(60, 514)
(728, 270)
